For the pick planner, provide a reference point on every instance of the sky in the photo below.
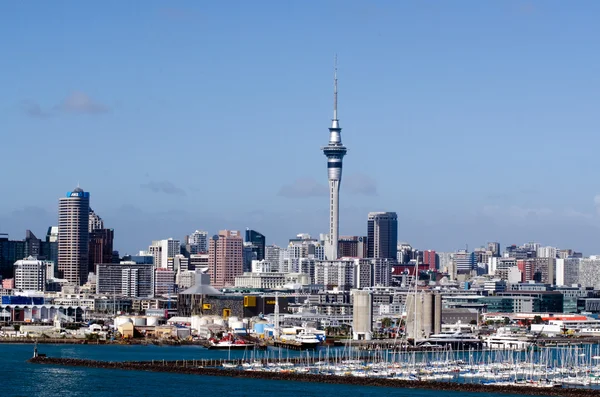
(474, 120)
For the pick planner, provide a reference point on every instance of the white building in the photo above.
(261, 280)
(589, 272)
(30, 274)
(162, 250)
(546, 252)
(567, 271)
(198, 242)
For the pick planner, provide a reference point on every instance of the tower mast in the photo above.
(335, 152)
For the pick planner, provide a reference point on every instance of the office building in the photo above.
(197, 242)
(272, 255)
(225, 258)
(94, 222)
(126, 279)
(464, 262)
(352, 247)
(73, 236)
(431, 259)
(382, 235)
(100, 247)
(258, 243)
(567, 271)
(335, 152)
(164, 282)
(30, 274)
(162, 250)
(494, 248)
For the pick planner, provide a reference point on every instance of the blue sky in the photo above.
(475, 121)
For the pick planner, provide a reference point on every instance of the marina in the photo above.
(570, 369)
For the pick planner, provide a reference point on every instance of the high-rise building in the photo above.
(100, 247)
(335, 152)
(225, 258)
(162, 250)
(30, 274)
(50, 246)
(464, 261)
(431, 259)
(10, 252)
(73, 236)
(125, 278)
(94, 222)
(272, 255)
(382, 235)
(352, 247)
(258, 242)
(494, 247)
(198, 242)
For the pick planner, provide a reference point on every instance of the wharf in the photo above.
(203, 367)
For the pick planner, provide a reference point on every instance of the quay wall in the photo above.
(195, 367)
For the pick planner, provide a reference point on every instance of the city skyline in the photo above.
(476, 116)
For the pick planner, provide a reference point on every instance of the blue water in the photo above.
(21, 379)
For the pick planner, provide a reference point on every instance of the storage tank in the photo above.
(122, 320)
(139, 321)
(152, 321)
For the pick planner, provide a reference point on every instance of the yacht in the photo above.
(455, 339)
(506, 342)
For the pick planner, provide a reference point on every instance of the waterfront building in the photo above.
(73, 236)
(335, 152)
(225, 260)
(30, 274)
(382, 235)
(126, 278)
(423, 315)
(362, 315)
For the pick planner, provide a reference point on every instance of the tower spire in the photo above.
(335, 88)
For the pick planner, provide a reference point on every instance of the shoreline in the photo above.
(195, 367)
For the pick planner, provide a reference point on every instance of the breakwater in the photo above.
(202, 367)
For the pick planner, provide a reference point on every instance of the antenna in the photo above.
(335, 88)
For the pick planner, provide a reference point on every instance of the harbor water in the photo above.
(24, 379)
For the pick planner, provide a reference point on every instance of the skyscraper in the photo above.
(258, 242)
(335, 152)
(100, 247)
(73, 223)
(225, 258)
(382, 235)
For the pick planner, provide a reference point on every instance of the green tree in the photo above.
(537, 320)
(386, 322)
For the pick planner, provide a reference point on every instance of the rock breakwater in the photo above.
(198, 367)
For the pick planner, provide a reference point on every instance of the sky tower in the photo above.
(335, 152)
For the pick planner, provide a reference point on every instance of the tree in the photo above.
(386, 322)
(538, 320)
(506, 320)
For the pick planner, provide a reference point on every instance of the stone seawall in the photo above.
(194, 367)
